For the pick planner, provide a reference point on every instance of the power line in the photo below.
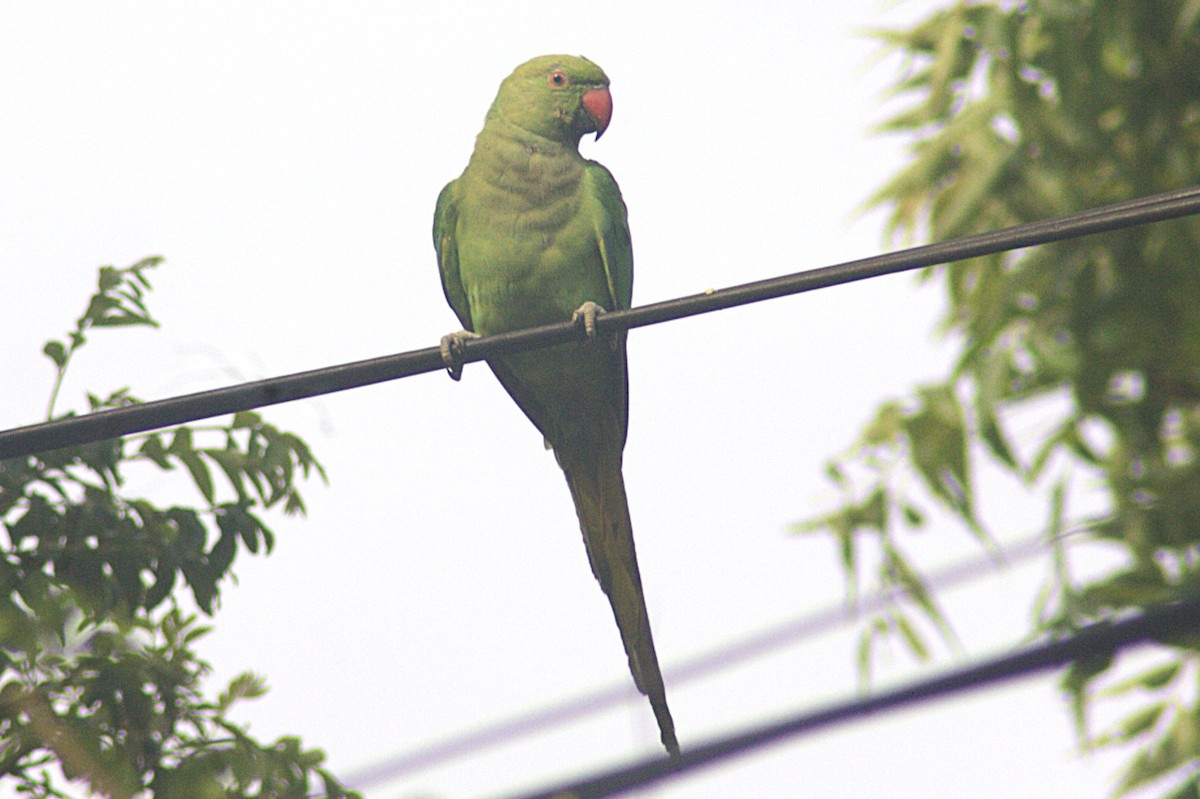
(115, 422)
(1102, 639)
(704, 664)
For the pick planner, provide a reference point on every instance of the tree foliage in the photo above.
(1018, 112)
(99, 681)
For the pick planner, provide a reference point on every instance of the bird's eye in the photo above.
(558, 78)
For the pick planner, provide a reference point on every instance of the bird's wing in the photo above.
(611, 224)
(445, 220)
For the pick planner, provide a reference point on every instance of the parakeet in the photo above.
(532, 233)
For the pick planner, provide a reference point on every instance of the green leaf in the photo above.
(886, 426)
(246, 685)
(1137, 587)
(98, 309)
(268, 537)
(233, 463)
(993, 435)
(911, 637)
(190, 533)
(56, 352)
(1075, 682)
(246, 419)
(901, 572)
(1151, 680)
(164, 581)
(182, 448)
(201, 476)
(1135, 724)
(913, 515)
(110, 278)
(153, 449)
(938, 437)
(866, 646)
(181, 441)
(220, 558)
(834, 472)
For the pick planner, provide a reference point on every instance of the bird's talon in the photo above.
(585, 316)
(452, 351)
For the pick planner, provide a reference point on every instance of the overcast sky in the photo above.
(285, 159)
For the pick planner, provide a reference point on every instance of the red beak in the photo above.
(598, 103)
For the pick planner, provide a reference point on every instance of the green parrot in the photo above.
(532, 233)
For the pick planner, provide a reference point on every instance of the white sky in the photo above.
(285, 158)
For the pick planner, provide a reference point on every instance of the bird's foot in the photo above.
(585, 316)
(452, 351)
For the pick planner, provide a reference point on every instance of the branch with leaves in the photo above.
(99, 683)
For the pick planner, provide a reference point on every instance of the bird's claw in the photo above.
(585, 317)
(452, 351)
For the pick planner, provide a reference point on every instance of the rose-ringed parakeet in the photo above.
(532, 233)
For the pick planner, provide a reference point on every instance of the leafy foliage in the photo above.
(97, 672)
(1018, 112)
(118, 302)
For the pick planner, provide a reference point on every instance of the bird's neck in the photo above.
(524, 165)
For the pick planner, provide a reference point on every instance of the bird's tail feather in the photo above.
(599, 493)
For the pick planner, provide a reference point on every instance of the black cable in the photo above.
(1098, 640)
(217, 402)
(717, 659)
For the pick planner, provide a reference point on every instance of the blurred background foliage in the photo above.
(1018, 112)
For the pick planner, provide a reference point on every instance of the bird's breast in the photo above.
(527, 255)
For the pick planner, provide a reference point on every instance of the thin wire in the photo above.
(115, 422)
(1098, 640)
(717, 659)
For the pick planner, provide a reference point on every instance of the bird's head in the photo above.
(560, 97)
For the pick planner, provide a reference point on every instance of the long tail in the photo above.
(599, 493)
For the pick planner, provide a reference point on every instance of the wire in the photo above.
(717, 659)
(115, 422)
(1098, 640)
